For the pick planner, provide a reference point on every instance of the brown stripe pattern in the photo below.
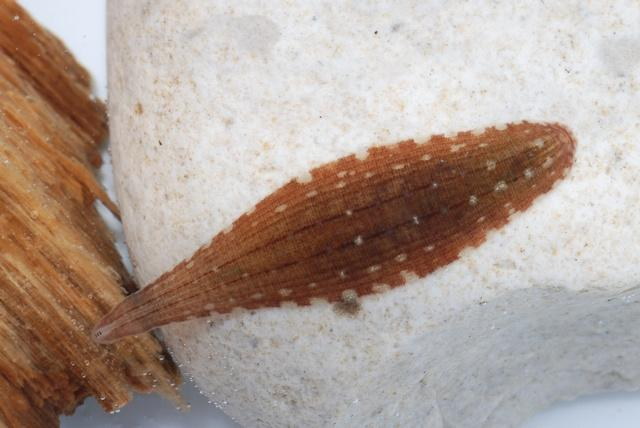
(359, 225)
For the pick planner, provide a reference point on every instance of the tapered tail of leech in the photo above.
(144, 310)
(127, 318)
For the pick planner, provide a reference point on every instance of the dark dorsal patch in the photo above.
(359, 225)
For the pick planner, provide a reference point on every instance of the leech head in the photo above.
(356, 223)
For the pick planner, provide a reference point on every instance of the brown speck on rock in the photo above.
(138, 109)
(348, 305)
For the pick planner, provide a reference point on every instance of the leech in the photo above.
(406, 207)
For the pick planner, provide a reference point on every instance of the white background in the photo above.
(81, 25)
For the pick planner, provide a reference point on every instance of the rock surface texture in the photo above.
(215, 106)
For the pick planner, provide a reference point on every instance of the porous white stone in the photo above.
(214, 105)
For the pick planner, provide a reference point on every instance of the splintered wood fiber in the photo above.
(59, 271)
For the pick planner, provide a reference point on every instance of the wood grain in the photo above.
(59, 271)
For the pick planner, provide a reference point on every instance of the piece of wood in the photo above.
(59, 270)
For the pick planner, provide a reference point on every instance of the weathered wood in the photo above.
(59, 271)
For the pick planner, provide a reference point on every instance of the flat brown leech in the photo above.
(359, 226)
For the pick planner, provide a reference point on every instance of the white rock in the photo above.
(214, 105)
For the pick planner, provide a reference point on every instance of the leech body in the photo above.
(357, 226)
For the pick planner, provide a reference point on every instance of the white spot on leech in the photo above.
(429, 248)
(284, 292)
(512, 211)
(317, 301)
(358, 240)
(401, 257)
(473, 200)
(312, 285)
(232, 300)
(209, 307)
(478, 132)
(409, 276)
(481, 219)
(457, 147)
(340, 185)
(245, 275)
(501, 127)
(483, 145)
(257, 296)
(312, 193)
(343, 274)
(491, 165)
(548, 162)
(305, 177)
(362, 154)
(415, 219)
(190, 265)
(369, 174)
(434, 185)
(288, 304)
(528, 173)
(238, 310)
(425, 157)
(373, 268)
(352, 173)
(397, 166)
(538, 143)
(507, 205)
(380, 288)
(281, 208)
(342, 174)
(348, 213)
(500, 186)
